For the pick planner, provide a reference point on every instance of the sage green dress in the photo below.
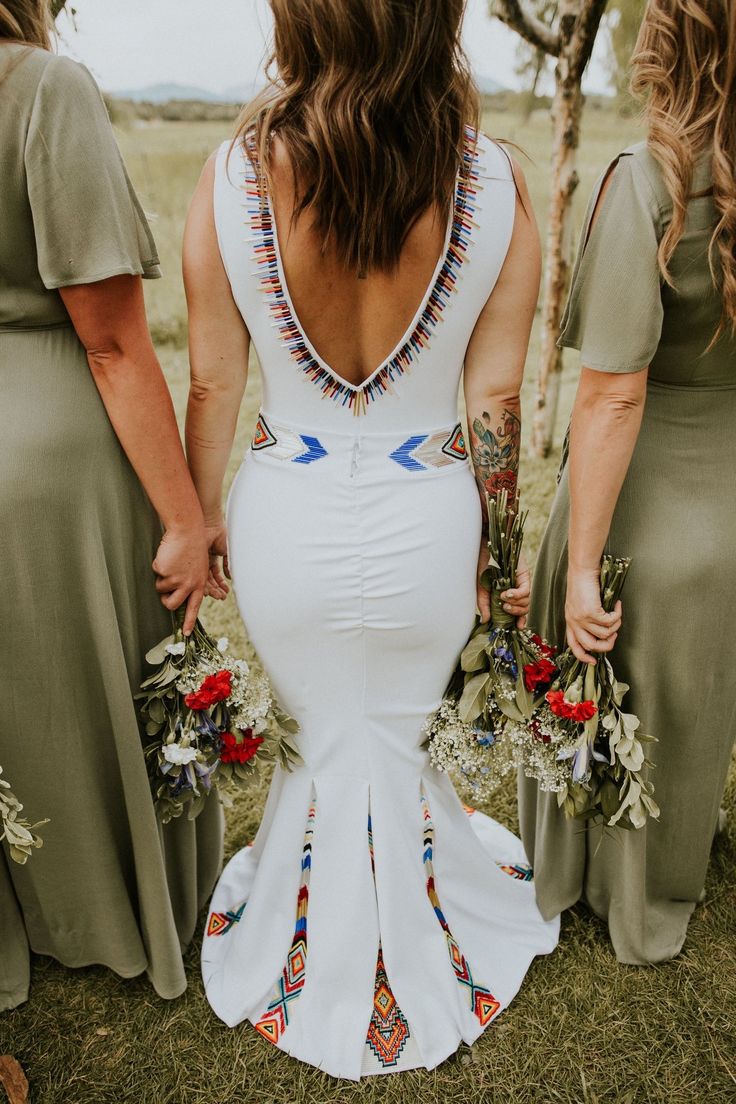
(78, 608)
(676, 518)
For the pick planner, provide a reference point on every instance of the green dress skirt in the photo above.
(77, 537)
(676, 518)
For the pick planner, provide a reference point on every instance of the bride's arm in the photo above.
(494, 370)
(218, 354)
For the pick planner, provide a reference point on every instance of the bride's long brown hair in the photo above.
(370, 99)
(684, 67)
(26, 21)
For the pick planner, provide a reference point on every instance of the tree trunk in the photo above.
(566, 113)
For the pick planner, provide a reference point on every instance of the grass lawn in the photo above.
(584, 1030)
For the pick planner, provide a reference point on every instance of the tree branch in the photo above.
(516, 15)
(586, 29)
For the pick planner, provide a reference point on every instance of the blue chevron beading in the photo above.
(315, 451)
(403, 454)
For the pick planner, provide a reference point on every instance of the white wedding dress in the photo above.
(373, 925)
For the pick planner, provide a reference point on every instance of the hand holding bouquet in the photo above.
(503, 673)
(213, 721)
(582, 744)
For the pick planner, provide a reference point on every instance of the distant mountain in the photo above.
(487, 85)
(238, 93)
(162, 93)
(241, 93)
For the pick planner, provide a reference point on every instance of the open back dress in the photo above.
(373, 925)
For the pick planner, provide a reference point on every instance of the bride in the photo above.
(371, 243)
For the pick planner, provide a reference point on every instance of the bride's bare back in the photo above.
(353, 323)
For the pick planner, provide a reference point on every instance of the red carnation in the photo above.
(572, 711)
(557, 703)
(215, 688)
(239, 751)
(545, 648)
(583, 711)
(539, 674)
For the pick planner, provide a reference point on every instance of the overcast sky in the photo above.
(220, 43)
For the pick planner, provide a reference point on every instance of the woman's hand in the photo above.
(182, 567)
(589, 627)
(219, 568)
(515, 600)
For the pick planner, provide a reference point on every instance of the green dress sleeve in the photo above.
(88, 222)
(614, 312)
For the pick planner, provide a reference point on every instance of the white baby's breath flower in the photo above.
(223, 644)
(176, 649)
(175, 753)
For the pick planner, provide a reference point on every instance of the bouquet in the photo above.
(213, 722)
(502, 676)
(582, 745)
(21, 835)
(512, 704)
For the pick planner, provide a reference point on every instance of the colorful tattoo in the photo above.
(495, 454)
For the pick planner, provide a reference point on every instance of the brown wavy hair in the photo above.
(684, 66)
(370, 99)
(26, 21)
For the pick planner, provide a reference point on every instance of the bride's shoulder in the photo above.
(493, 160)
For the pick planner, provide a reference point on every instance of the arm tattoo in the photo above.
(495, 453)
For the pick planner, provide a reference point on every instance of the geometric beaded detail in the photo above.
(358, 399)
(482, 1002)
(220, 923)
(388, 1030)
(275, 1019)
(521, 871)
(285, 444)
(437, 450)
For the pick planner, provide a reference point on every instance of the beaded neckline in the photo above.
(357, 398)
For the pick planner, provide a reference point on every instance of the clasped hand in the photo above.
(589, 628)
(515, 600)
(192, 563)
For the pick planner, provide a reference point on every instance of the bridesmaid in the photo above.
(652, 448)
(89, 455)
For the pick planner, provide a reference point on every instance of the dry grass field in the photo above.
(584, 1029)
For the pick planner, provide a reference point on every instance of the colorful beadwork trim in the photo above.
(521, 871)
(358, 399)
(423, 450)
(220, 923)
(275, 1019)
(287, 445)
(388, 1030)
(482, 1002)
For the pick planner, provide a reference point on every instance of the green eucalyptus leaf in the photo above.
(472, 657)
(473, 697)
(158, 653)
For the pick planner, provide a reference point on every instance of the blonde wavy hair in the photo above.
(684, 67)
(370, 99)
(27, 21)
